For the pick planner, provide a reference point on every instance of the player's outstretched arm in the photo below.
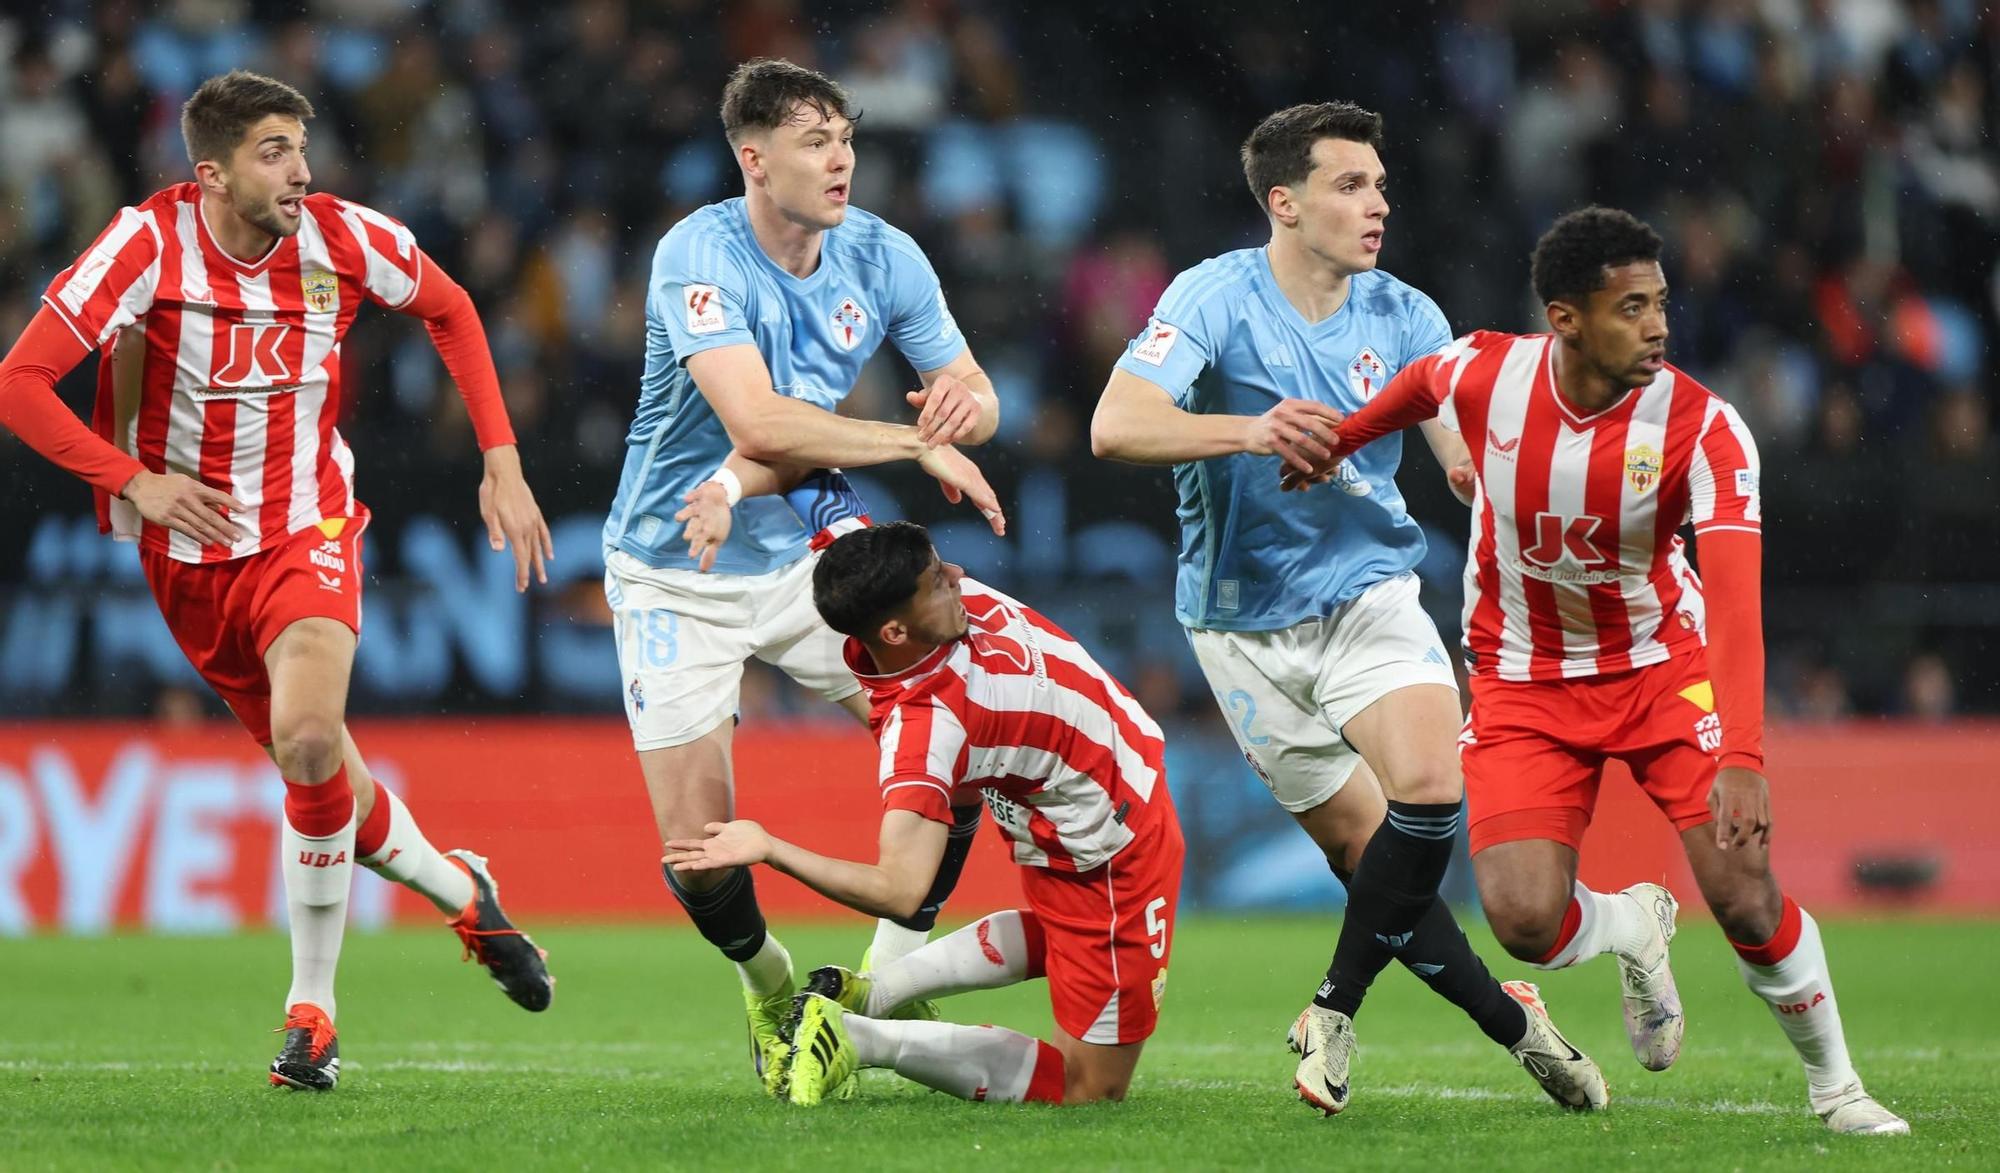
(506, 504)
(1414, 396)
(766, 426)
(1138, 422)
(30, 408)
(893, 886)
(957, 404)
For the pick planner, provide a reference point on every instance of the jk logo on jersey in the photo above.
(247, 355)
(1366, 373)
(850, 324)
(321, 290)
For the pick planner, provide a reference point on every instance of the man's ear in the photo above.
(1565, 320)
(893, 633)
(209, 175)
(750, 157)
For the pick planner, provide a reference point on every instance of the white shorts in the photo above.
(1287, 693)
(683, 637)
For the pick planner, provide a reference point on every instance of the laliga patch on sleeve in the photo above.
(1158, 343)
(704, 309)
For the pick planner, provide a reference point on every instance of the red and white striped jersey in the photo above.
(1576, 566)
(226, 370)
(1066, 759)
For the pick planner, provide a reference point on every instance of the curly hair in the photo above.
(1279, 152)
(1570, 258)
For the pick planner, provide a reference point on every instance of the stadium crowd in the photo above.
(1825, 173)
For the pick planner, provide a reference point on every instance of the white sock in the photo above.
(409, 859)
(1799, 990)
(769, 970)
(316, 903)
(1612, 923)
(993, 951)
(970, 1062)
(893, 942)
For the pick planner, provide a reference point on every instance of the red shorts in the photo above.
(1110, 933)
(225, 615)
(1534, 752)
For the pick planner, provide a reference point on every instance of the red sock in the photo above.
(1572, 920)
(318, 810)
(1038, 946)
(374, 830)
(1780, 945)
(1046, 1085)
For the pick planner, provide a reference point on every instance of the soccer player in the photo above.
(972, 690)
(217, 307)
(760, 313)
(1305, 620)
(1589, 637)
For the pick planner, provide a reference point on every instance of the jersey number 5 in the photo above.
(1156, 926)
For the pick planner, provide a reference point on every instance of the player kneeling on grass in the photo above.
(970, 689)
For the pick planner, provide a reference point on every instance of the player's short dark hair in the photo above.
(1570, 258)
(1279, 152)
(763, 95)
(868, 575)
(224, 109)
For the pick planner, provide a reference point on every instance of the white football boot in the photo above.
(1565, 1073)
(1653, 1019)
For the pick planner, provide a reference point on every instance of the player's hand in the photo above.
(947, 411)
(705, 520)
(1463, 479)
(512, 517)
(1298, 431)
(729, 845)
(186, 506)
(1740, 800)
(959, 478)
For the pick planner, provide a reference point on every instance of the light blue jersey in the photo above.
(713, 286)
(1224, 340)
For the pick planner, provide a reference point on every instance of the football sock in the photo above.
(1442, 959)
(1597, 923)
(897, 938)
(390, 843)
(1393, 890)
(970, 1062)
(317, 860)
(728, 916)
(1789, 972)
(993, 951)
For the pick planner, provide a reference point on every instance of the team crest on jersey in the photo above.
(321, 290)
(1642, 467)
(1366, 373)
(850, 324)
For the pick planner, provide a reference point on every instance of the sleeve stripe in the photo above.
(1712, 526)
(933, 783)
(66, 320)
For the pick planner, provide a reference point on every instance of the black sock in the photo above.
(726, 914)
(1442, 959)
(1391, 893)
(958, 845)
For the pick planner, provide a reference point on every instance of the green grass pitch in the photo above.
(150, 1053)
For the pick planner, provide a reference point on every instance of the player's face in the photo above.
(266, 175)
(1623, 328)
(936, 613)
(1341, 206)
(807, 166)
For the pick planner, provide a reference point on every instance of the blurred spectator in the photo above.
(1928, 692)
